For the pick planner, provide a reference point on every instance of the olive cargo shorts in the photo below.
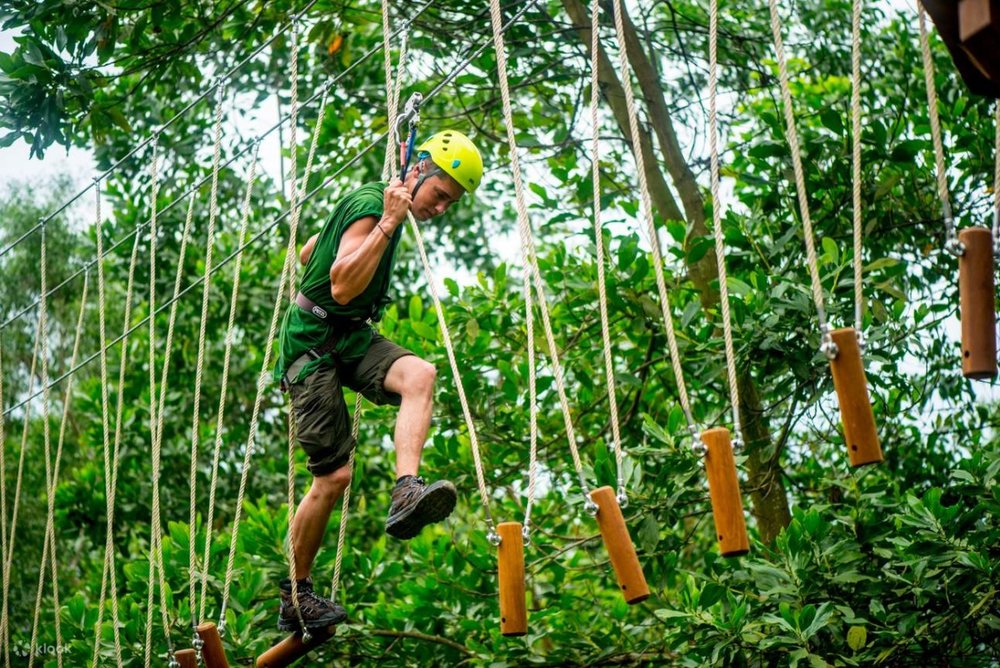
(324, 428)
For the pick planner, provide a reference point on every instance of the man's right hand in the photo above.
(395, 205)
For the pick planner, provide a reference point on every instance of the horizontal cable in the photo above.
(274, 223)
(156, 131)
(206, 178)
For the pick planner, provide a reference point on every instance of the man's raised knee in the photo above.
(422, 378)
(330, 486)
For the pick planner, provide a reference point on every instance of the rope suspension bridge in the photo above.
(718, 446)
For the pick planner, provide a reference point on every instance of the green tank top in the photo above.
(301, 330)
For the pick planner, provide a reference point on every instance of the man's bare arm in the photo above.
(363, 243)
(307, 250)
(360, 251)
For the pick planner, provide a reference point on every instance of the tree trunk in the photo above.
(770, 502)
(764, 473)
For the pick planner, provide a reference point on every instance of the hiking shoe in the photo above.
(317, 612)
(415, 505)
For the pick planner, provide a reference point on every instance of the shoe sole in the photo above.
(292, 625)
(436, 504)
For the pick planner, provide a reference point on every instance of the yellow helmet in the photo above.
(457, 156)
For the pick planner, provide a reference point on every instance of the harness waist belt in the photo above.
(337, 324)
(310, 306)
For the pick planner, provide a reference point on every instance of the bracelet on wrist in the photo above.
(382, 230)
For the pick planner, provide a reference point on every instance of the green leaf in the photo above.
(423, 330)
(666, 614)
(881, 263)
(736, 286)
(857, 636)
(830, 251)
(710, 595)
(649, 533)
(472, 329)
(831, 119)
(416, 309)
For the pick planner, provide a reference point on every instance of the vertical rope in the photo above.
(459, 386)
(602, 300)
(453, 363)
(529, 325)
(720, 246)
(996, 186)
(110, 463)
(49, 542)
(227, 354)
(293, 123)
(952, 244)
(156, 548)
(392, 106)
(392, 89)
(262, 383)
(528, 248)
(646, 207)
(859, 298)
(346, 502)
(213, 212)
(292, 427)
(315, 142)
(3, 519)
(168, 346)
(800, 181)
(8, 556)
(43, 335)
(122, 366)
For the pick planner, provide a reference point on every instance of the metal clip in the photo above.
(622, 498)
(493, 537)
(954, 246)
(590, 507)
(699, 448)
(410, 116)
(862, 340)
(738, 443)
(827, 346)
(526, 534)
(697, 445)
(996, 232)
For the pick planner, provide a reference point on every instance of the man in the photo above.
(327, 342)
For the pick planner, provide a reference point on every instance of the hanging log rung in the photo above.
(977, 305)
(510, 562)
(186, 658)
(851, 384)
(624, 560)
(212, 652)
(724, 490)
(293, 648)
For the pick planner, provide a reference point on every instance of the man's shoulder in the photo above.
(367, 194)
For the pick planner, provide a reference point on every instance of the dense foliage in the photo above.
(894, 565)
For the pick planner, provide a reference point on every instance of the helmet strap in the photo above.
(425, 173)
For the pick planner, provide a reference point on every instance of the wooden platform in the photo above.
(971, 31)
